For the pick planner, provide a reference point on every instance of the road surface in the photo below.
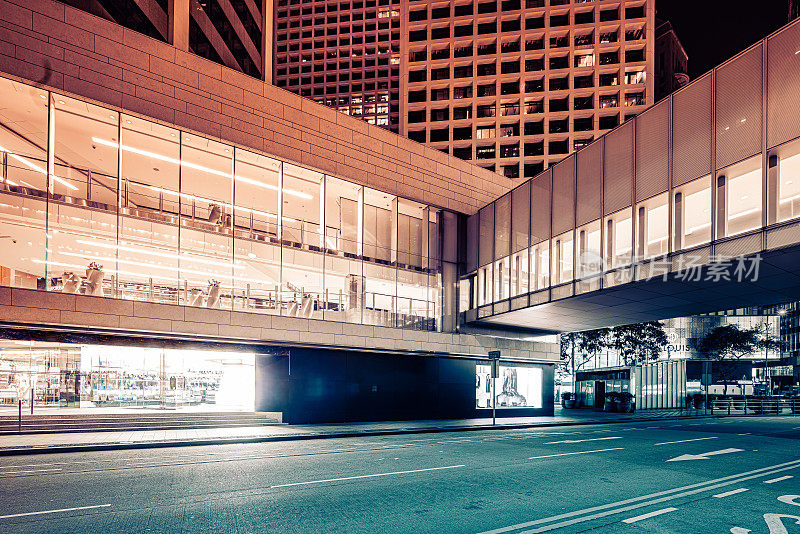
(733, 475)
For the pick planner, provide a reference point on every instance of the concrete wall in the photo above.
(66, 49)
(25, 307)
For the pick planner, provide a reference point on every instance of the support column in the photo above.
(677, 224)
(179, 24)
(773, 188)
(721, 208)
(267, 38)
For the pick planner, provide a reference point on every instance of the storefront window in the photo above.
(516, 387)
(619, 228)
(114, 377)
(692, 214)
(652, 227)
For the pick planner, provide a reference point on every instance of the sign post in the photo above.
(494, 356)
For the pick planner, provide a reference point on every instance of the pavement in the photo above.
(16, 444)
(713, 475)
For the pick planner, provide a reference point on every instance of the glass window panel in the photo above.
(652, 227)
(618, 237)
(486, 243)
(206, 259)
(82, 241)
(257, 251)
(485, 285)
(521, 201)
(540, 265)
(23, 156)
(342, 215)
(692, 213)
(787, 181)
(562, 257)
(519, 272)
(587, 243)
(742, 197)
(411, 233)
(302, 206)
(148, 225)
(502, 280)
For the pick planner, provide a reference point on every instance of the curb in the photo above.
(56, 449)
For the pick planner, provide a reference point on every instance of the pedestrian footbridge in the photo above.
(691, 207)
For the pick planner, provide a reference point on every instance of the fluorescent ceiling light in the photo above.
(198, 167)
(37, 168)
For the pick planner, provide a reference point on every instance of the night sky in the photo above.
(711, 31)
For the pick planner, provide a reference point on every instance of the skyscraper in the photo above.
(513, 85)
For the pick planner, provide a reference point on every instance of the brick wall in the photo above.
(26, 307)
(66, 49)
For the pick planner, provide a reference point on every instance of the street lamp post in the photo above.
(494, 356)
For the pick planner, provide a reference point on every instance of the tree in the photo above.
(638, 343)
(730, 343)
(577, 348)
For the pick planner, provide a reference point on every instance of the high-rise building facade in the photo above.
(671, 68)
(516, 85)
(345, 55)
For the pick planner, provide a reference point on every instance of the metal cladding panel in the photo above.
(781, 237)
(472, 242)
(652, 150)
(590, 182)
(502, 226)
(541, 188)
(618, 168)
(486, 237)
(520, 217)
(749, 244)
(691, 131)
(738, 107)
(783, 78)
(564, 195)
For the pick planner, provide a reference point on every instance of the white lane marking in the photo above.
(648, 515)
(685, 440)
(571, 453)
(364, 476)
(661, 496)
(779, 479)
(56, 511)
(732, 492)
(582, 440)
(703, 456)
(26, 472)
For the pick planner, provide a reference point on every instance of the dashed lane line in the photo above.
(732, 492)
(685, 440)
(582, 440)
(574, 453)
(55, 511)
(648, 515)
(365, 476)
(779, 479)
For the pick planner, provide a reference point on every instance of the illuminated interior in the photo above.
(113, 377)
(97, 202)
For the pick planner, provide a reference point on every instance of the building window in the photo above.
(652, 221)
(692, 214)
(540, 265)
(618, 236)
(739, 198)
(563, 258)
(783, 175)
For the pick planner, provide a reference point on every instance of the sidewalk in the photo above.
(96, 441)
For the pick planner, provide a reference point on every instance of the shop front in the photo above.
(62, 375)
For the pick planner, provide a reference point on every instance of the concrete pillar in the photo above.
(267, 39)
(773, 188)
(179, 24)
(722, 208)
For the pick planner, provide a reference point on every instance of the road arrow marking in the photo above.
(703, 456)
(582, 440)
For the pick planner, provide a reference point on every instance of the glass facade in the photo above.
(99, 202)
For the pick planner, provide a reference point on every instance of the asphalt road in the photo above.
(734, 475)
